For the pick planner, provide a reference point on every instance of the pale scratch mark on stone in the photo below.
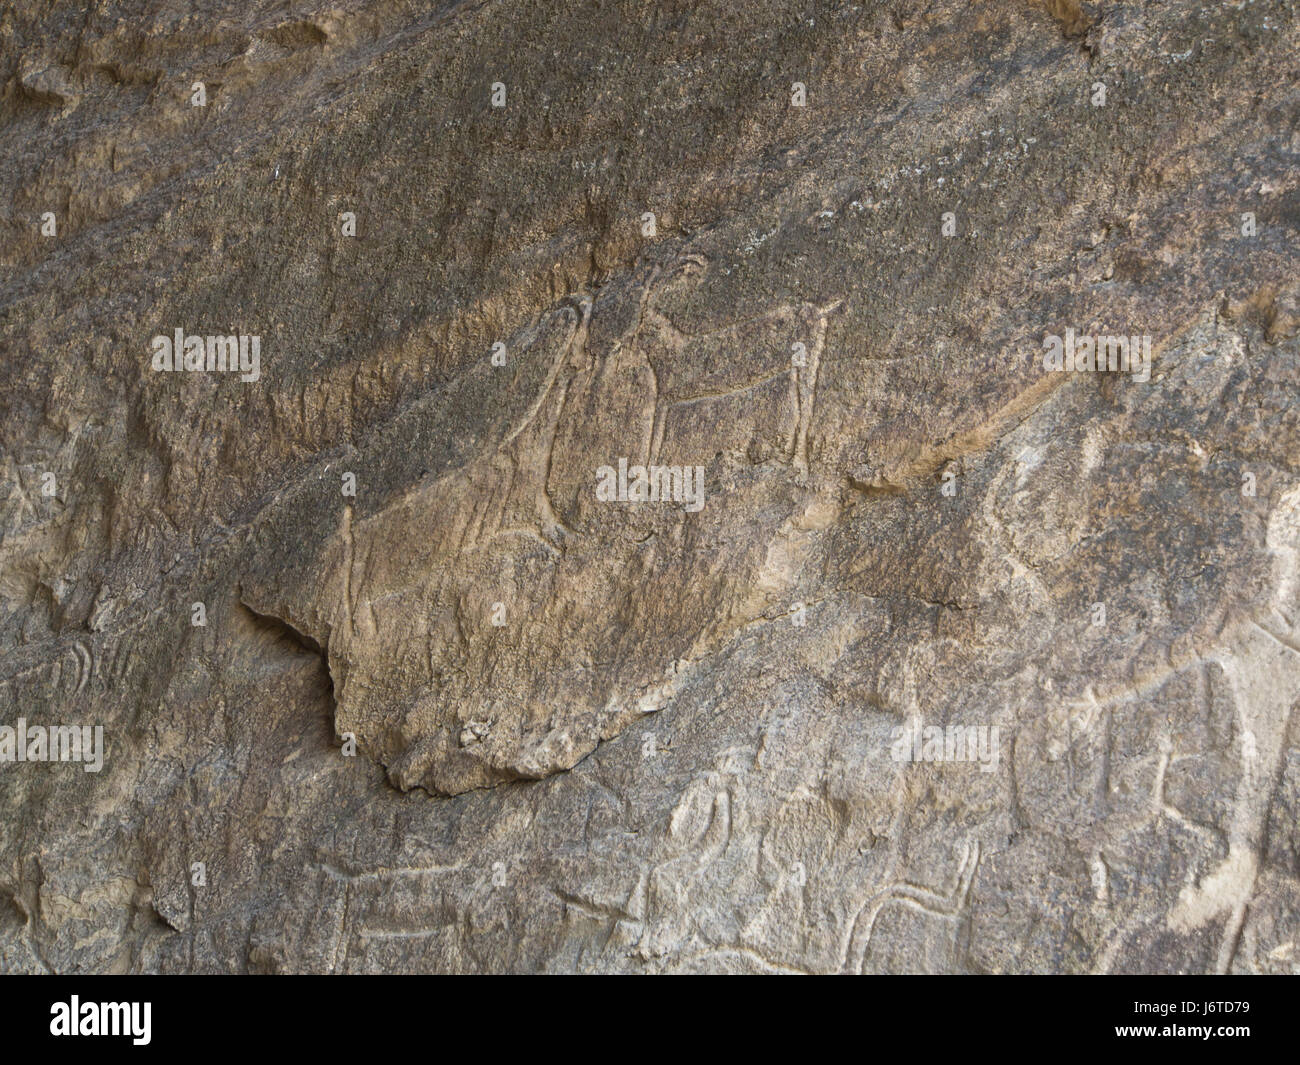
(805, 379)
(85, 664)
(384, 873)
(349, 561)
(1101, 879)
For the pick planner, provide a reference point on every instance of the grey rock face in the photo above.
(924, 656)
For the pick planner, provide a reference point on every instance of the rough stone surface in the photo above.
(641, 737)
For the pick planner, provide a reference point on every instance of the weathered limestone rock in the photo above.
(915, 655)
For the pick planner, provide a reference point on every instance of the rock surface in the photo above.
(448, 707)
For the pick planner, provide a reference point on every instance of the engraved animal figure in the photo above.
(699, 831)
(691, 371)
(952, 905)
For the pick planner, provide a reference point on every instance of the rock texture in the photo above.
(472, 716)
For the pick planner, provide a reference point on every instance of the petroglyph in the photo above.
(952, 905)
(696, 375)
(698, 833)
(1261, 658)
